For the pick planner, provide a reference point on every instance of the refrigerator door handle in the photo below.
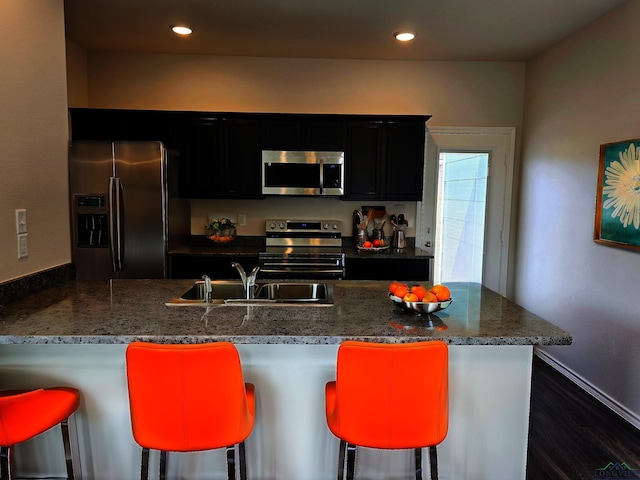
(120, 222)
(115, 234)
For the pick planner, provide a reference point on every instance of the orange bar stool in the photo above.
(389, 396)
(187, 398)
(26, 414)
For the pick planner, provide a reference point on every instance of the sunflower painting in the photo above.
(618, 196)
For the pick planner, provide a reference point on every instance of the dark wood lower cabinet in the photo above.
(407, 269)
(216, 267)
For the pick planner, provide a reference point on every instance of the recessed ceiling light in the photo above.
(181, 30)
(404, 36)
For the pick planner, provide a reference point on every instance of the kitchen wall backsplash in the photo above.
(293, 208)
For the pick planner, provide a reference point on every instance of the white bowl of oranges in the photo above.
(418, 298)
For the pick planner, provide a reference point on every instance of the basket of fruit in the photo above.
(377, 245)
(222, 230)
(417, 298)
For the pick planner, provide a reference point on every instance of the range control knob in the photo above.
(282, 225)
(336, 226)
(325, 226)
(272, 225)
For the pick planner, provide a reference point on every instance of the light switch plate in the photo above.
(23, 248)
(21, 220)
(242, 219)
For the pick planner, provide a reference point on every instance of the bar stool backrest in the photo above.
(392, 395)
(187, 397)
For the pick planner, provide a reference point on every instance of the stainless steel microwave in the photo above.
(302, 173)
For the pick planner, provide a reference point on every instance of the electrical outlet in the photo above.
(21, 220)
(242, 219)
(23, 248)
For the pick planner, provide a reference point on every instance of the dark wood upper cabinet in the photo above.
(364, 160)
(97, 124)
(304, 132)
(200, 157)
(385, 159)
(241, 158)
(404, 160)
(281, 132)
(324, 134)
(220, 153)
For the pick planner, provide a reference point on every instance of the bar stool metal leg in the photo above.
(242, 460)
(231, 462)
(5, 463)
(433, 462)
(418, 452)
(341, 454)
(64, 425)
(351, 461)
(144, 464)
(163, 465)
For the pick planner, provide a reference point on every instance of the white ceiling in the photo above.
(465, 30)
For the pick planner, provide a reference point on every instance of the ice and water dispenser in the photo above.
(92, 221)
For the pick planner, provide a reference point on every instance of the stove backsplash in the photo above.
(256, 211)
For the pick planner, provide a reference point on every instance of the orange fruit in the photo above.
(376, 242)
(430, 298)
(410, 297)
(367, 244)
(401, 291)
(419, 290)
(441, 292)
(394, 285)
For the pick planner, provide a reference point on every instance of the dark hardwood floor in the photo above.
(573, 436)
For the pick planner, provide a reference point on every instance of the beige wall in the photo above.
(580, 94)
(454, 93)
(33, 135)
(77, 85)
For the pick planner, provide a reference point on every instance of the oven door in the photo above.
(301, 266)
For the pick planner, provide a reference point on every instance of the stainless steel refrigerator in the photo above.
(125, 209)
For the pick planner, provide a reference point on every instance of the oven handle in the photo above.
(276, 270)
(299, 264)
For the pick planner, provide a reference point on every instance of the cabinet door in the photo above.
(364, 160)
(281, 133)
(216, 267)
(150, 125)
(97, 124)
(323, 134)
(404, 160)
(407, 269)
(200, 158)
(242, 158)
(304, 132)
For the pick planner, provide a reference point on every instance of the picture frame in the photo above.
(617, 218)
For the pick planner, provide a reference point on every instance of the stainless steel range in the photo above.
(302, 249)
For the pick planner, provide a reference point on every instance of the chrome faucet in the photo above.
(207, 289)
(248, 281)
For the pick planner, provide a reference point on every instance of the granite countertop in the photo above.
(252, 246)
(122, 311)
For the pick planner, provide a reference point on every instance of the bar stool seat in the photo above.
(389, 396)
(25, 414)
(187, 398)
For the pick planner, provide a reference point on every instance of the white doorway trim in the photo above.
(498, 139)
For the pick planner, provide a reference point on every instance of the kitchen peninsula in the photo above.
(77, 335)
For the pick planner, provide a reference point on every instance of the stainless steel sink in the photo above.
(229, 292)
(294, 292)
(220, 291)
